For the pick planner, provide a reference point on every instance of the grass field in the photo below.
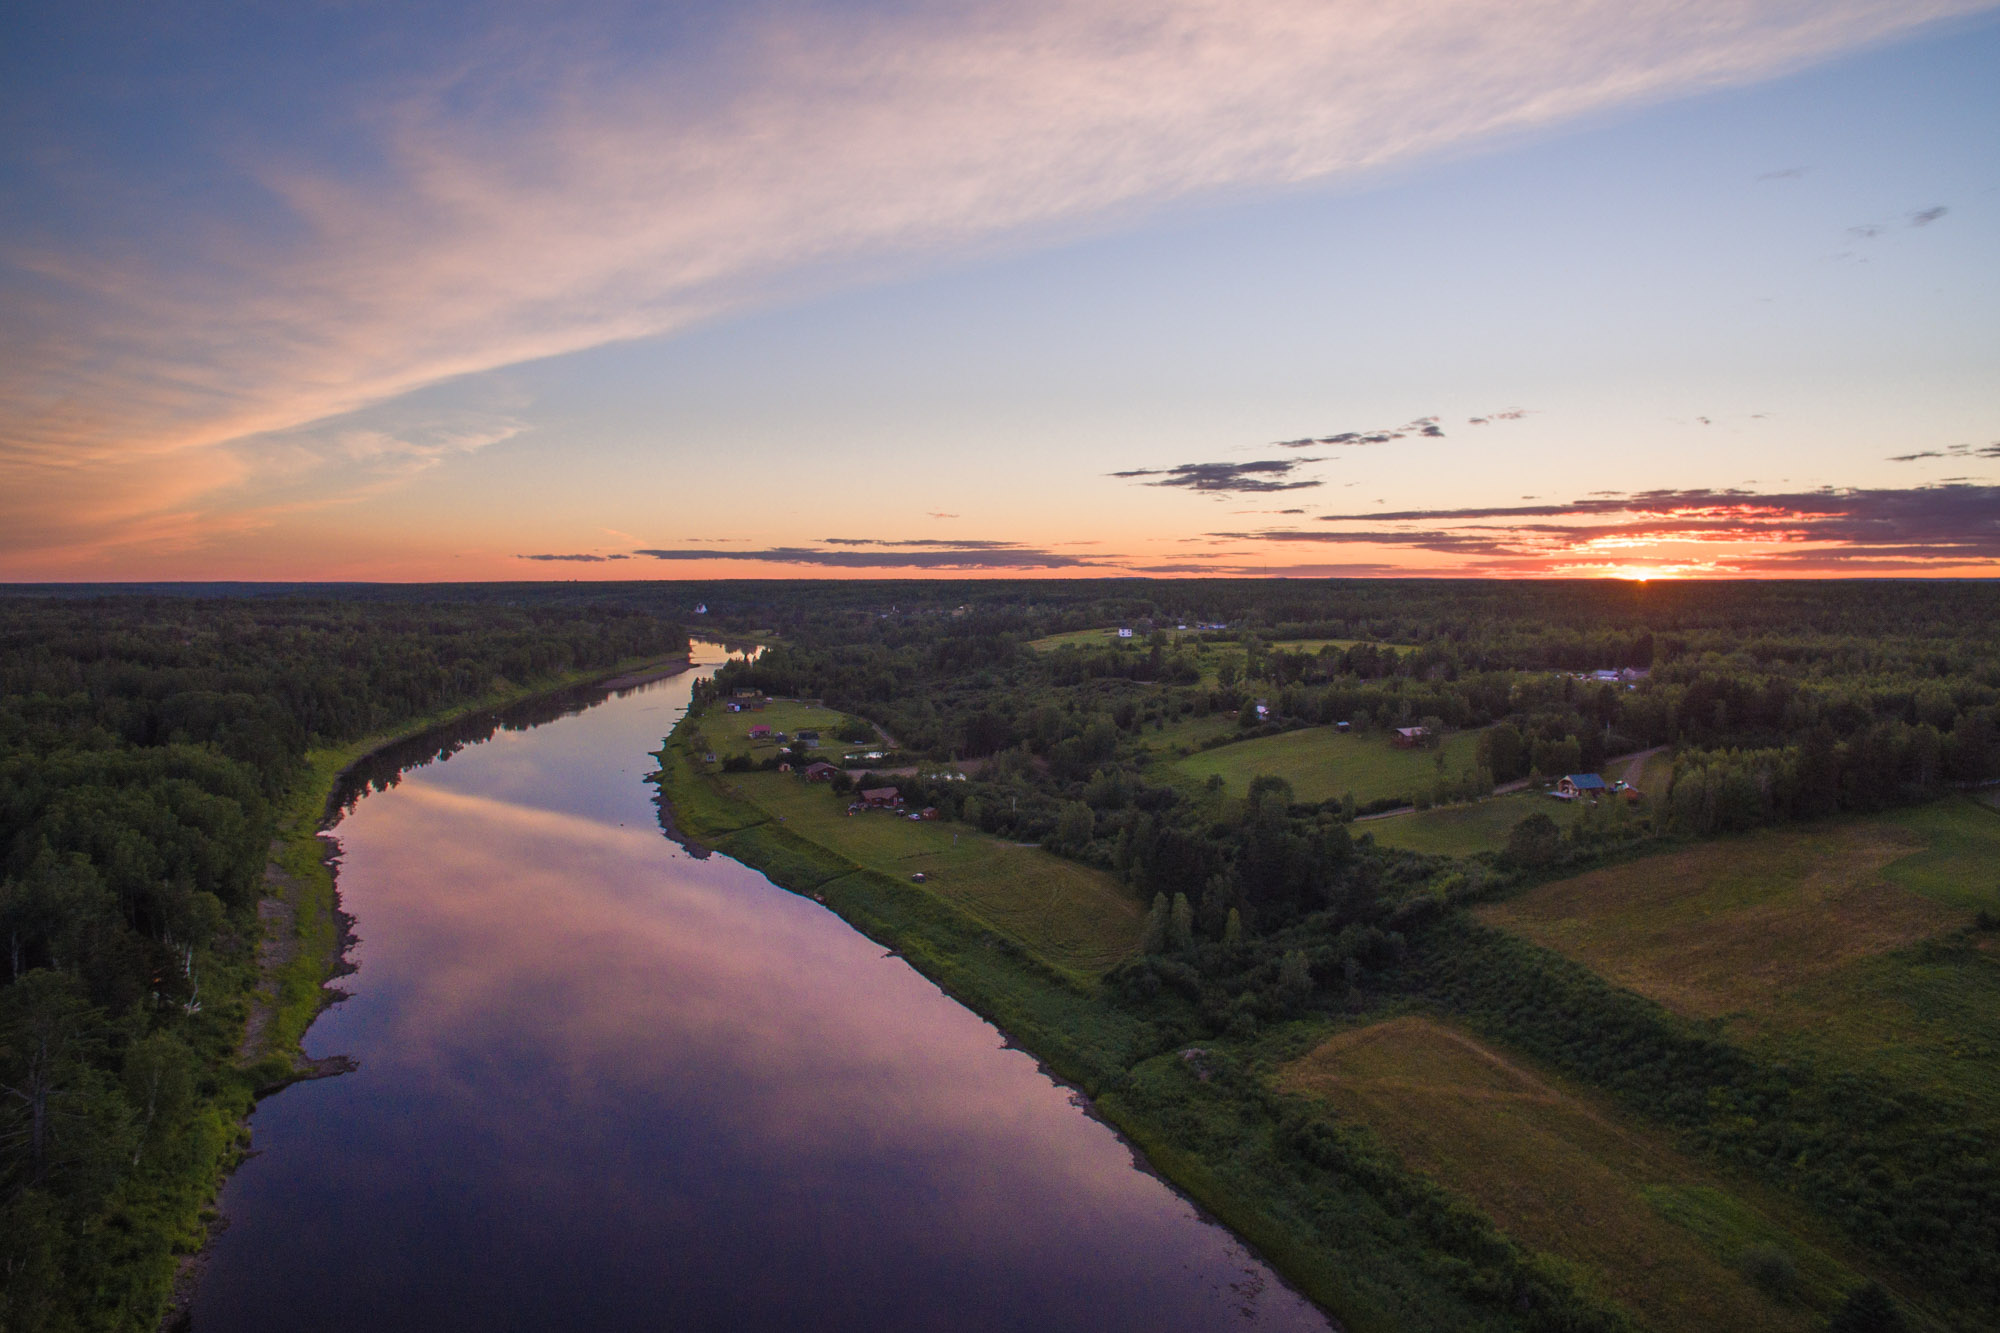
(1460, 830)
(1070, 915)
(1323, 764)
(1626, 1214)
(1845, 940)
(1187, 735)
(729, 733)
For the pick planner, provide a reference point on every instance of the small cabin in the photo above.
(1574, 785)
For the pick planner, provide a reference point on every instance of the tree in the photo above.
(1869, 1308)
(1075, 827)
(1154, 940)
(1534, 841)
(1501, 750)
(1180, 924)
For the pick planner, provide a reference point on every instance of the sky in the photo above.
(1627, 288)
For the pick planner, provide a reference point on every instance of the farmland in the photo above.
(1324, 764)
(1461, 830)
(1071, 915)
(1559, 1172)
(1848, 940)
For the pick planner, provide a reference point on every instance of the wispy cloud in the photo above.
(1011, 557)
(1952, 451)
(1269, 474)
(549, 187)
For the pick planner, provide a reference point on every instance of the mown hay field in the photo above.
(1461, 830)
(1623, 1212)
(1323, 764)
(1072, 916)
(1849, 940)
(729, 733)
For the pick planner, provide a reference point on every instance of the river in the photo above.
(604, 1084)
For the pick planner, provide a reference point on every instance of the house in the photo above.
(881, 798)
(820, 772)
(760, 732)
(1409, 738)
(1581, 784)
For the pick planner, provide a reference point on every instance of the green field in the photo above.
(1187, 735)
(1461, 830)
(729, 733)
(1849, 941)
(1324, 764)
(1626, 1214)
(1070, 915)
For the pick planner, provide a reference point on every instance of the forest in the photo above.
(146, 742)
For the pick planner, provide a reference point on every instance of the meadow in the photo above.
(729, 733)
(1626, 1215)
(1853, 941)
(1069, 915)
(1324, 764)
(1462, 830)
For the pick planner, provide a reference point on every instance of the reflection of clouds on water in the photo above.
(594, 1062)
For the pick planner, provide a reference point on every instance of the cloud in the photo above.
(1008, 558)
(948, 543)
(1952, 524)
(1269, 474)
(548, 185)
(1952, 451)
(1423, 426)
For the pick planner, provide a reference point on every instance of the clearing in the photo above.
(1561, 1174)
(1323, 764)
(1847, 939)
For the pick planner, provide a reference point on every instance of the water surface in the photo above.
(604, 1084)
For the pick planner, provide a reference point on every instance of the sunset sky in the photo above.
(493, 291)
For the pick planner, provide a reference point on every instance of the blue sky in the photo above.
(880, 289)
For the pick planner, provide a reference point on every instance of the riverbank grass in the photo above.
(1075, 917)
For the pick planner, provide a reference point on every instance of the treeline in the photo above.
(144, 741)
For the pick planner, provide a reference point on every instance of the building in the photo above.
(1581, 784)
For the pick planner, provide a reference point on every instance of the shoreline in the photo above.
(304, 936)
(1094, 1087)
